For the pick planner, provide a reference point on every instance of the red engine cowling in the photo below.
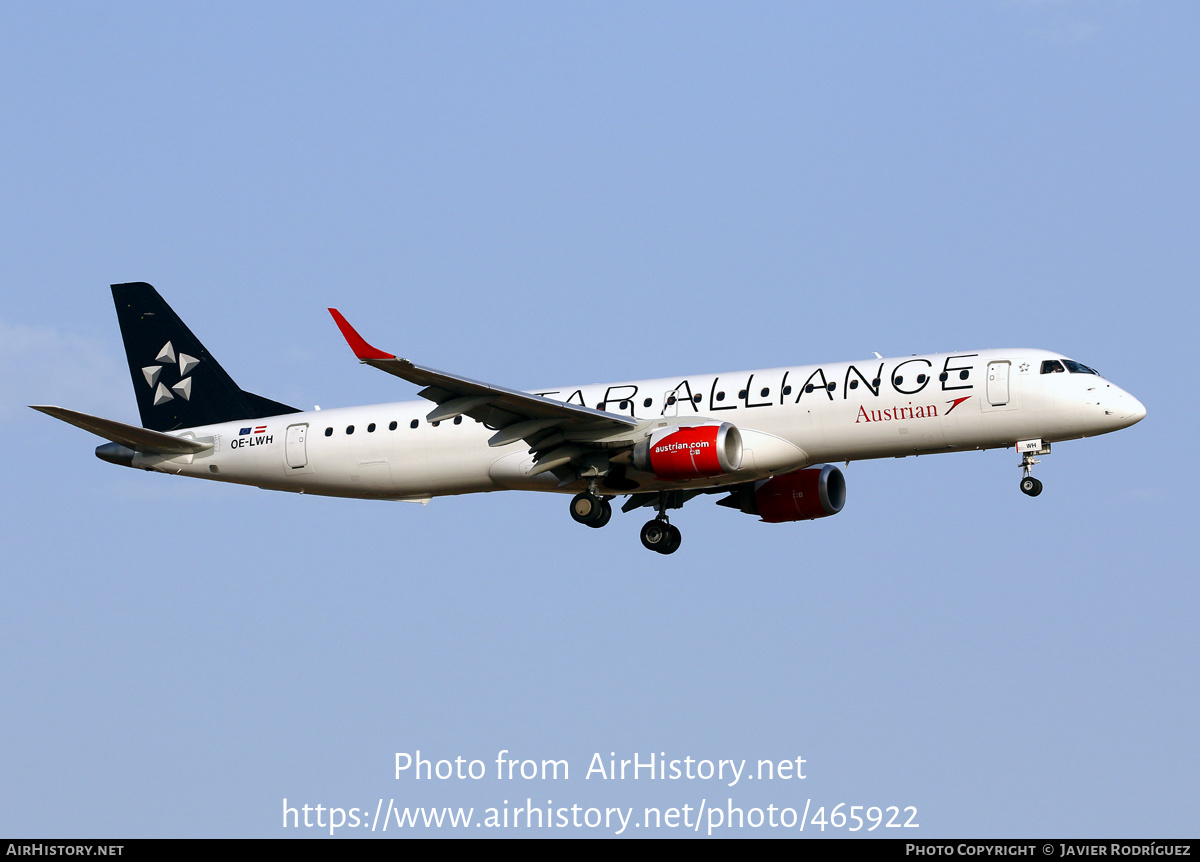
(814, 492)
(694, 452)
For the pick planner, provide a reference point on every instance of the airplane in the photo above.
(766, 439)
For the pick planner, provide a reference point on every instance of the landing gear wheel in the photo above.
(605, 515)
(1029, 485)
(590, 510)
(656, 535)
(675, 540)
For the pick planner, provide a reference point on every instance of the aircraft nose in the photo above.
(1123, 407)
(1135, 411)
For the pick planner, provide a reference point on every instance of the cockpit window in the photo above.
(1052, 366)
(1079, 368)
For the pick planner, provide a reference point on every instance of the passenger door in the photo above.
(997, 383)
(294, 449)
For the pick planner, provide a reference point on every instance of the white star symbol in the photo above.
(183, 388)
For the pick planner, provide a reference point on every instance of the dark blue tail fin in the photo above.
(178, 383)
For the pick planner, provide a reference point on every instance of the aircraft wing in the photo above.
(138, 439)
(553, 429)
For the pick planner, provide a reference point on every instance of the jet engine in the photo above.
(692, 452)
(814, 492)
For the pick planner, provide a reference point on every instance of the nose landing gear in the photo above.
(1028, 448)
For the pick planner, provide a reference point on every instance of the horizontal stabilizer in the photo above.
(138, 439)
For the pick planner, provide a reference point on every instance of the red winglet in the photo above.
(360, 347)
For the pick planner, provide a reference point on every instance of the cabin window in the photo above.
(458, 420)
(647, 402)
(808, 388)
(875, 383)
(349, 429)
(392, 425)
(624, 405)
(943, 377)
(832, 386)
(853, 384)
(764, 393)
(720, 396)
(921, 378)
(962, 375)
(436, 424)
(787, 390)
(742, 395)
(328, 432)
(371, 428)
(898, 381)
(696, 398)
(414, 423)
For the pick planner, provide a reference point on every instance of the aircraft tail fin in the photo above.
(177, 381)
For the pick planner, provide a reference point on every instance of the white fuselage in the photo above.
(788, 418)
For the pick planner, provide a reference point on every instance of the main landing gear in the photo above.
(659, 535)
(590, 509)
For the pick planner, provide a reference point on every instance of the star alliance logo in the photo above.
(183, 388)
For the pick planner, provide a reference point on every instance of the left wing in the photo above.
(559, 434)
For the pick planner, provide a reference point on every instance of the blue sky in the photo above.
(541, 194)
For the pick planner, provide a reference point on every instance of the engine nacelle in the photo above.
(692, 452)
(814, 492)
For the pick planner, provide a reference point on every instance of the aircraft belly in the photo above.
(374, 477)
(512, 471)
(450, 466)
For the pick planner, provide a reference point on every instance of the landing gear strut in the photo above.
(660, 534)
(1028, 448)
